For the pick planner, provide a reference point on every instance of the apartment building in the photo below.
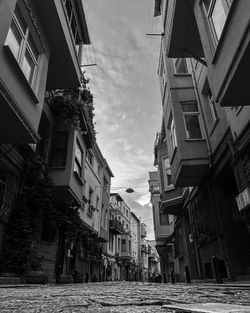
(135, 247)
(47, 123)
(205, 130)
(154, 263)
(144, 254)
(163, 226)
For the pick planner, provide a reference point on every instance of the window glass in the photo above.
(191, 120)
(180, 66)
(22, 46)
(14, 40)
(21, 22)
(212, 105)
(77, 169)
(168, 183)
(164, 219)
(28, 67)
(78, 153)
(172, 135)
(192, 127)
(59, 149)
(33, 48)
(123, 245)
(218, 17)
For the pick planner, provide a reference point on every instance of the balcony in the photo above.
(66, 176)
(172, 200)
(181, 31)
(190, 163)
(104, 235)
(64, 67)
(115, 227)
(125, 255)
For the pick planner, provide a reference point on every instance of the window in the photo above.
(90, 158)
(217, 11)
(74, 26)
(21, 43)
(212, 106)
(106, 184)
(59, 149)
(97, 202)
(164, 219)
(99, 170)
(191, 120)
(168, 183)
(162, 73)
(91, 194)
(119, 244)
(172, 135)
(180, 66)
(123, 245)
(78, 159)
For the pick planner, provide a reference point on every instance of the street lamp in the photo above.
(129, 190)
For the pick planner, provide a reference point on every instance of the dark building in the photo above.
(203, 70)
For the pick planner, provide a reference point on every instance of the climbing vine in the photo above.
(37, 212)
(20, 237)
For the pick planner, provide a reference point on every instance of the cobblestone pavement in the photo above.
(114, 297)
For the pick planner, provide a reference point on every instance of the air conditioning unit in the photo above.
(243, 199)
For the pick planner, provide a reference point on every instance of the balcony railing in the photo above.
(115, 227)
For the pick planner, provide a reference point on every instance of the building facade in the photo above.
(55, 183)
(205, 133)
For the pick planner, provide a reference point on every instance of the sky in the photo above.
(126, 93)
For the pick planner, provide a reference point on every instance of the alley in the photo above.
(116, 297)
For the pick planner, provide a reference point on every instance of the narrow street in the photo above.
(118, 297)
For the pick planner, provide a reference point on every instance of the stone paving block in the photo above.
(209, 308)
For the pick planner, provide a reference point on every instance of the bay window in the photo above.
(21, 43)
(190, 114)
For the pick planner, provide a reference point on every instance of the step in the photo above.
(208, 308)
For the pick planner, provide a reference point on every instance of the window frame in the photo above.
(172, 135)
(27, 40)
(70, 17)
(191, 113)
(212, 106)
(90, 158)
(166, 171)
(209, 15)
(175, 61)
(78, 163)
(55, 150)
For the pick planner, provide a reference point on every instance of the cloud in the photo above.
(126, 94)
